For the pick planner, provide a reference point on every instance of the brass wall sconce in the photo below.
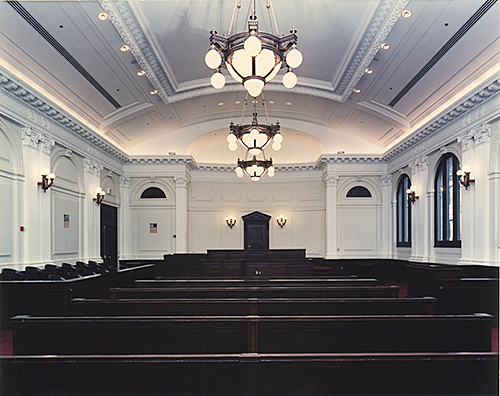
(47, 179)
(281, 220)
(100, 193)
(231, 221)
(464, 176)
(411, 194)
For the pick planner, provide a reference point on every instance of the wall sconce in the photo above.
(281, 220)
(464, 176)
(231, 221)
(47, 179)
(411, 194)
(100, 195)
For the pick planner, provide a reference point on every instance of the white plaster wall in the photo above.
(359, 219)
(144, 212)
(210, 202)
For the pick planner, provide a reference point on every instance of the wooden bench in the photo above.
(259, 282)
(255, 374)
(52, 298)
(250, 334)
(253, 306)
(256, 292)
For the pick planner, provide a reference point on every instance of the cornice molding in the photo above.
(472, 102)
(129, 30)
(344, 159)
(185, 160)
(42, 106)
(388, 14)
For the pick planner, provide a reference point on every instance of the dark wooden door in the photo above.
(109, 235)
(256, 230)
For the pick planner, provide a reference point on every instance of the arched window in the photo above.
(447, 203)
(153, 192)
(403, 213)
(359, 192)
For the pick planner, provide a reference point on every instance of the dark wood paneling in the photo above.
(257, 292)
(270, 374)
(262, 307)
(251, 334)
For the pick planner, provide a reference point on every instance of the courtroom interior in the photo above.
(249, 197)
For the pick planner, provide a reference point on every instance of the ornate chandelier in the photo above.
(254, 138)
(253, 58)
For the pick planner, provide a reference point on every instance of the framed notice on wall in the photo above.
(153, 228)
(66, 220)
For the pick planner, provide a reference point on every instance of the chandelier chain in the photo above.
(265, 107)
(245, 102)
(274, 17)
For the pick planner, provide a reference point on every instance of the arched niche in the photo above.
(110, 184)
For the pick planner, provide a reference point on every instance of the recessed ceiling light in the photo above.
(141, 73)
(406, 14)
(288, 103)
(237, 102)
(384, 46)
(124, 48)
(103, 16)
(368, 71)
(356, 90)
(221, 103)
(272, 102)
(154, 92)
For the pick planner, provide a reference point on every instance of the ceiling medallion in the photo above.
(253, 58)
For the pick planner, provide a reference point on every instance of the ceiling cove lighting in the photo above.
(253, 58)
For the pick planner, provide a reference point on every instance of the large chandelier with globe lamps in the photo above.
(253, 58)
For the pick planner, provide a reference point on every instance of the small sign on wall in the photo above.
(66, 220)
(153, 228)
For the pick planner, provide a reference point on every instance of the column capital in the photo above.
(91, 166)
(181, 181)
(331, 180)
(124, 182)
(37, 140)
(386, 180)
(420, 164)
(473, 136)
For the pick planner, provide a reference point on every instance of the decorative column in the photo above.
(477, 213)
(125, 239)
(37, 244)
(387, 216)
(420, 212)
(331, 182)
(91, 212)
(181, 217)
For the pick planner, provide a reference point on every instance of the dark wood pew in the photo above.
(255, 254)
(250, 334)
(255, 374)
(468, 295)
(256, 292)
(52, 298)
(256, 282)
(252, 306)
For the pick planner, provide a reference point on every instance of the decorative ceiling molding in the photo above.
(388, 14)
(479, 98)
(127, 27)
(344, 159)
(179, 160)
(22, 95)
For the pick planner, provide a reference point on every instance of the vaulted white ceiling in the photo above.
(446, 53)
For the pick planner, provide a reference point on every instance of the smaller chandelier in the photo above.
(253, 58)
(254, 137)
(255, 168)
